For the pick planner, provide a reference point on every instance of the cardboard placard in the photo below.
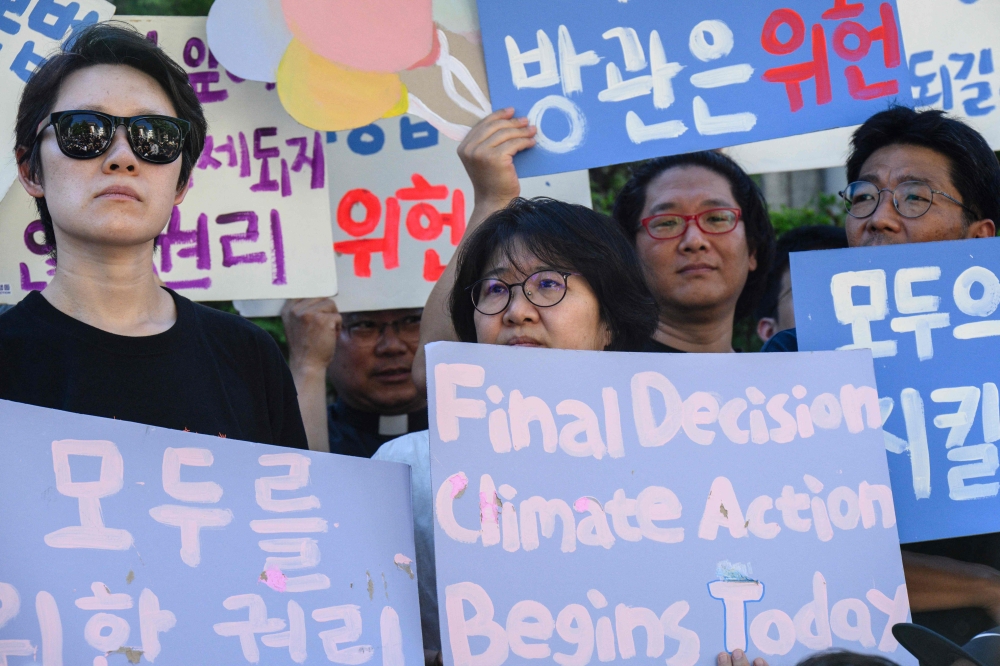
(927, 311)
(611, 504)
(615, 82)
(124, 541)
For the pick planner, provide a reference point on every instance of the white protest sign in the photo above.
(400, 200)
(950, 45)
(255, 222)
(29, 31)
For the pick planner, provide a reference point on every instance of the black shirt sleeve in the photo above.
(286, 418)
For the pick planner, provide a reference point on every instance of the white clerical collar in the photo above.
(393, 425)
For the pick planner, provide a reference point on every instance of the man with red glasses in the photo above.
(107, 134)
(917, 177)
(367, 357)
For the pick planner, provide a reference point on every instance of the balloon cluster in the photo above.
(336, 63)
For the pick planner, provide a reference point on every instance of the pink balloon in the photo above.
(372, 36)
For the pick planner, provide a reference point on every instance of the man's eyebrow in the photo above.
(667, 206)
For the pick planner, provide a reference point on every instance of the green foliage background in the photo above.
(605, 183)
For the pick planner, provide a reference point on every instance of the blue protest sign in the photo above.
(608, 505)
(927, 313)
(609, 82)
(121, 542)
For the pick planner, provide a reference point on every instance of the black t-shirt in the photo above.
(783, 341)
(660, 348)
(212, 373)
(356, 433)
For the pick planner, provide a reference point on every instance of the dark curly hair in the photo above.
(107, 43)
(760, 234)
(566, 236)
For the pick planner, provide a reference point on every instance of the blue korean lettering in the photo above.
(923, 81)
(63, 14)
(26, 61)
(366, 140)
(15, 7)
(974, 105)
(417, 135)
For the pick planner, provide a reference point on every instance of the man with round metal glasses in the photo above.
(106, 136)
(917, 177)
(367, 358)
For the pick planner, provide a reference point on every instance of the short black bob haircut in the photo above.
(107, 43)
(569, 237)
(756, 219)
(799, 239)
(975, 171)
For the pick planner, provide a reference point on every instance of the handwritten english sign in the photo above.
(255, 222)
(29, 31)
(124, 541)
(927, 312)
(610, 505)
(950, 44)
(400, 200)
(609, 82)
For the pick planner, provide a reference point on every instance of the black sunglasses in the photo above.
(84, 135)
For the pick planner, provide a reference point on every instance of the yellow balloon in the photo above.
(328, 97)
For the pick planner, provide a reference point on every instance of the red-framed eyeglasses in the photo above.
(673, 225)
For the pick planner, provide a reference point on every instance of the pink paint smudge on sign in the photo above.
(459, 482)
(274, 579)
(487, 507)
(582, 504)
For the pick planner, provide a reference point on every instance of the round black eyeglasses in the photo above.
(911, 199)
(491, 296)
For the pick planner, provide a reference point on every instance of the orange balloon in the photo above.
(370, 35)
(328, 97)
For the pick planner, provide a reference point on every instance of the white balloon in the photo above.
(248, 37)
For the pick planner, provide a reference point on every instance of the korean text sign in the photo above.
(927, 312)
(29, 31)
(255, 222)
(123, 541)
(610, 82)
(598, 506)
(400, 200)
(950, 45)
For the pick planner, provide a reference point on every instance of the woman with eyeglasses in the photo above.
(107, 134)
(537, 273)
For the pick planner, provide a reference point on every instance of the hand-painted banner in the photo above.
(927, 311)
(123, 541)
(709, 501)
(29, 31)
(950, 45)
(255, 222)
(610, 82)
(400, 200)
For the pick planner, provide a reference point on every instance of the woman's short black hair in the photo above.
(107, 43)
(975, 170)
(565, 236)
(760, 234)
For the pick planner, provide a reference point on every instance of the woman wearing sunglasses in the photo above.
(107, 134)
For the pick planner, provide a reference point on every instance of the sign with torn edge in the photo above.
(125, 541)
(627, 503)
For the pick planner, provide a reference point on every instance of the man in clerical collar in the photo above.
(367, 358)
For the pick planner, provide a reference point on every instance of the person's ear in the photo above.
(182, 192)
(766, 328)
(753, 261)
(982, 229)
(32, 185)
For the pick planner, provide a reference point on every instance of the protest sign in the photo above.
(950, 44)
(932, 335)
(255, 222)
(29, 31)
(125, 542)
(714, 501)
(718, 72)
(400, 199)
